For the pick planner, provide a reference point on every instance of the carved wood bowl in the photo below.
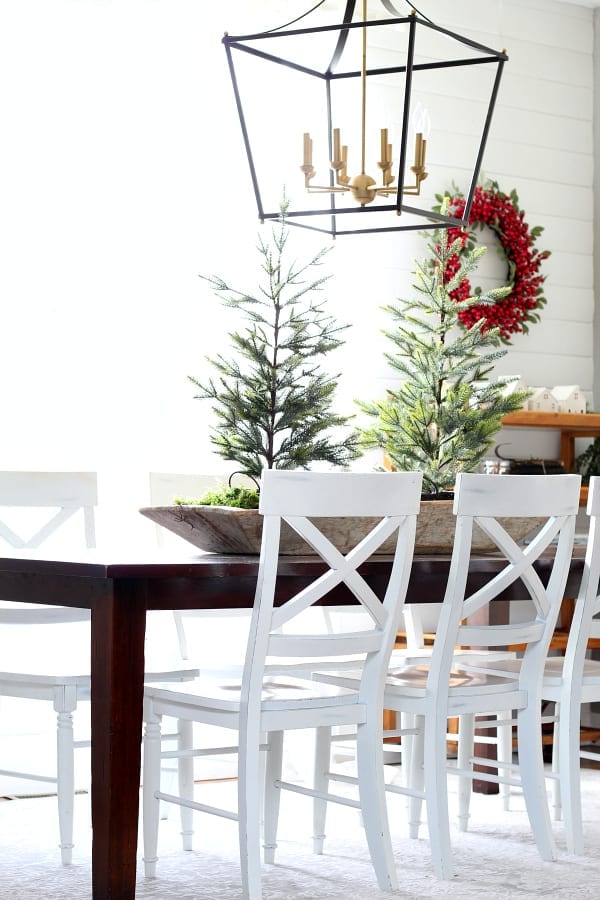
(226, 529)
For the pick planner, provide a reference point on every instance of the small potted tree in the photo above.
(272, 401)
(442, 418)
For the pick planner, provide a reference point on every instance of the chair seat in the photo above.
(282, 692)
(553, 670)
(83, 681)
(412, 681)
(32, 678)
(405, 656)
(14, 613)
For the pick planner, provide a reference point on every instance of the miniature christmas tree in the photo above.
(272, 401)
(443, 417)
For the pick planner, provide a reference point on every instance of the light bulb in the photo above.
(421, 120)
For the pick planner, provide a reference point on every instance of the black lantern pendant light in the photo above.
(338, 116)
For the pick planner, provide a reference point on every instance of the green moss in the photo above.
(243, 498)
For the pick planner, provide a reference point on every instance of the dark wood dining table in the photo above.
(119, 592)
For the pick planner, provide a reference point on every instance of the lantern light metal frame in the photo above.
(332, 212)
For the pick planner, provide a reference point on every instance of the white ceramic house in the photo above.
(570, 398)
(512, 383)
(542, 400)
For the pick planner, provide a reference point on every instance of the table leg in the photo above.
(117, 670)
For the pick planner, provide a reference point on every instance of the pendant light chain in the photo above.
(395, 12)
(297, 19)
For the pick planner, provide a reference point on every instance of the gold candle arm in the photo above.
(419, 166)
(384, 147)
(337, 154)
(307, 149)
(343, 177)
(307, 166)
(340, 158)
(418, 148)
(388, 178)
(420, 156)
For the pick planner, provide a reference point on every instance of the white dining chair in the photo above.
(261, 706)
(437, 688)
(570, 680)
(58, 673)
(576, 682)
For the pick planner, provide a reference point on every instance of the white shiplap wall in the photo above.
(128, 179)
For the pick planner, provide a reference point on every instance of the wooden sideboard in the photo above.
(570, 426)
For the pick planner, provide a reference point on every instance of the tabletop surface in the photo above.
(97, 564)
(167, 573)
(156, 564)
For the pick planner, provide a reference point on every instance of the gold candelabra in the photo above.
(363, 187)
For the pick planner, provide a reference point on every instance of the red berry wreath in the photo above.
(502, 214)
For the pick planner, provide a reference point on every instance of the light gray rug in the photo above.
(495, 859)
